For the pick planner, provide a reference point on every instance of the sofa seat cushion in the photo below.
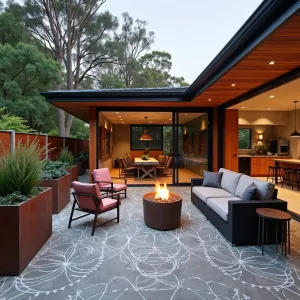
(220, 206)
(204, 193)
(264, 189)
(230, 180)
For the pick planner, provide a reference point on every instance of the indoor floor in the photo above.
(287, 194)
(184, 176)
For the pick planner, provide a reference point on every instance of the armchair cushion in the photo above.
(101, 175)
(86, 202)
(207, 192)
(116, 187)
(108, 203)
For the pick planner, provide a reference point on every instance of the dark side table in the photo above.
(280, 218)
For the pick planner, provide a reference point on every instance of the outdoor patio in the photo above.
(131, 261)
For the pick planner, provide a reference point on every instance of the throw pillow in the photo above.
(250, 192)
(212, 179)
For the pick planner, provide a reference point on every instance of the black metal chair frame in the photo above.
(273, 173)
(111, 189)
(97, 212)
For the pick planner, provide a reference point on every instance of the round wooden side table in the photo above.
(279, 217)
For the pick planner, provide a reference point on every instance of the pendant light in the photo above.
(145, 136)
(295, 133)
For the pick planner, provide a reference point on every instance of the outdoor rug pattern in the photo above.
(129, 261)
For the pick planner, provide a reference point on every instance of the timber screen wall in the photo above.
(53, 144)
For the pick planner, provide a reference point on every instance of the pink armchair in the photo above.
(105, 182)
(89, 200)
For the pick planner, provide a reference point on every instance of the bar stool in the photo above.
(290, 177)
(274, 169)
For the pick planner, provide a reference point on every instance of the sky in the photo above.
(192, 31)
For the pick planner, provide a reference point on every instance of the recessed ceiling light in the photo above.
(166, 122)
(120, 117)
(209, 99)
(122, 122)
(169, 119)
(269, 108)
(272, 62)
(272, 96)
(185, 114)
(233, 84)
(117, 112)
(244, 107)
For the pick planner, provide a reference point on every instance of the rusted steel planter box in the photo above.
(81, 167)
(85, 164)
(60, 191)
(24, 229)
(74, 173)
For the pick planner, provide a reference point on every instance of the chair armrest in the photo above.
(125, 179)
(196, 182)
(101, 181)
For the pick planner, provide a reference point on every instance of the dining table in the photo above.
(285, 161)
(147, 167)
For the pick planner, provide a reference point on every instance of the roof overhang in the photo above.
(274, 25)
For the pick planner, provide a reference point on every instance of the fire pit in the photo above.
(162, 209)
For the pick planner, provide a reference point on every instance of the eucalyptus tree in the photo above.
(24, 72)
(76, 35)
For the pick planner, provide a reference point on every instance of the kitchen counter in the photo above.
(290, 161)
(268, 156)
(259, 164)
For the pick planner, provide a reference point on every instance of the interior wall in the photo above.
(263, 117)
(284, 132)
(104, 122)
(121, 140)
(266, 130)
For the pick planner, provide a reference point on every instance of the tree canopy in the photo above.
(70, 44)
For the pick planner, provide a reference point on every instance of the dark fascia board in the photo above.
(113, 95)
(267, 17)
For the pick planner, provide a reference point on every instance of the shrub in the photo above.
(53, 170)
(66, 156)
(20, 171)
(82, 156)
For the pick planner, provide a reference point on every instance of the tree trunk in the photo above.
(61, 122)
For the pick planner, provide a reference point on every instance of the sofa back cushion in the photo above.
(264, 189)
(230, 180)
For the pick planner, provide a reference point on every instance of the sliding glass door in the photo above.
(191, 146)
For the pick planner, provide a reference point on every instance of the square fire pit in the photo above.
(162, 209)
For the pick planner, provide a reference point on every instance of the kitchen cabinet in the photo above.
(260, 165)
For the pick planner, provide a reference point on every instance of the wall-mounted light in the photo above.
(260, 137)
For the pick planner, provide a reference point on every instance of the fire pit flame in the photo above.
(161, 192)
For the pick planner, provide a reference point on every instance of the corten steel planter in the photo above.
(74, 173)
(85, 164)
(24, 229)
(60, 191)
(81, 167)
(162, 215)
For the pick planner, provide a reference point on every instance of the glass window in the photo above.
(244, 138)
(154, 131)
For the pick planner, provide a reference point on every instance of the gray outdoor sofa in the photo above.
(235, 218)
